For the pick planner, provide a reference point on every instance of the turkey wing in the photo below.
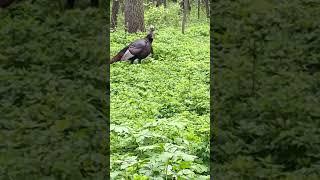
(137, 47)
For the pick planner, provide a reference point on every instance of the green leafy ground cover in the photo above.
(160, 108)
(52, 92)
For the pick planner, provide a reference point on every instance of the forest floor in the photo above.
(160, 108)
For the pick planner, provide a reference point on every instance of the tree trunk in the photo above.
(183, 6)
(114, 16)
(185, 11)
(165, 3)
(159, 2)
(198, 9)
(134, 16)
(207, 8)
(70, 4)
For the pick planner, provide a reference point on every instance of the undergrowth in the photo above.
(160, 108)
(52, 95)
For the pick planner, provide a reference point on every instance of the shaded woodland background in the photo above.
(133, 11)
(266, 89)
(52, 91)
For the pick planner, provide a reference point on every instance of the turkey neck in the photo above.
(149, 38)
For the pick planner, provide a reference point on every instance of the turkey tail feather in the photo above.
(116, 58)
(119, 55)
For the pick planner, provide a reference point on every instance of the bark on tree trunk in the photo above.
(114, 16)
(198, 9)
(134, 16)
(159, 2)
(70, 4)
(207, 8)
(165, 3)
(183, 6)
(185, 11)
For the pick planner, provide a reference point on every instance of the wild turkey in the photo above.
(138, 49)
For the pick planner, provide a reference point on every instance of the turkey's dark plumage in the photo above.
(138, 49)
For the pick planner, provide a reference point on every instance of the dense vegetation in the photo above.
(52, 95)
(266, 101)
(160, 108)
